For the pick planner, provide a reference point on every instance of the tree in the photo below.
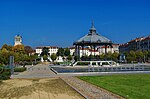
(102, 56)
(19, 49)
(69, 57)
(139, 56)
(33, 57)
(45, 57)
(131, 56)
(45, 51)
(108, 56)
(60, 52)
(148, 56)
(67, 52)
(115, 56)
(7, 47)
(28, 49)
(145, 55)
(53, 57)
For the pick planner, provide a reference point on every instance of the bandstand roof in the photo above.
(93, 38)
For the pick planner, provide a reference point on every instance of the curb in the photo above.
(75, 89)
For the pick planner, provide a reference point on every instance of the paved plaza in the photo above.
(36, 71)
(85, 89)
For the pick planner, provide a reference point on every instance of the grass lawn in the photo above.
(135, 86)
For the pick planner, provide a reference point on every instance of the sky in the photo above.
(61, 22)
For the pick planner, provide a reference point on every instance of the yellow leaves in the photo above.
(19, 48)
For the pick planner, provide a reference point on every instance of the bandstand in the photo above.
(91, 40)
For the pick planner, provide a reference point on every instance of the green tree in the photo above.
(148, 56)
(45, 51)
(145, 53)
(102, 56)
(139, 56)
(33, 57)
(60, 52)
(67, 52)
(131, 56)
(45, 58)
(115, 56)
(108, 56)
(53, 57)
(69, 57)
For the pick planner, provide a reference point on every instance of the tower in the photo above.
(18, 40)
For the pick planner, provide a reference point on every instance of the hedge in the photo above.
(20, 69)
(83, 63)
(5, 73)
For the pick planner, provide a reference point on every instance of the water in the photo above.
(64, 69)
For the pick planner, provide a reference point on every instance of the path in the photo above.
(37, 71)
(88, 90)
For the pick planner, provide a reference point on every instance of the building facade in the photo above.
(52, 49)
(18, 40)
(98, 51)
(142, 43)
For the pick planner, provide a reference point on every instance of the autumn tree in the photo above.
(28, 49)
(19, 49)
(7, 47)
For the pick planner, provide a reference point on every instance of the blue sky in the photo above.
(61, 22)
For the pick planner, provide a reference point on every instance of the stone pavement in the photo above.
(88, 90)
(37, 71)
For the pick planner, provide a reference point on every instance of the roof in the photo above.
(147, 38)
(93, 37)
(41, 47)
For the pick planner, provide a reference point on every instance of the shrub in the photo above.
(105, 63)
(21, 69)
(93, 63)
(83, 63)
(5, 74)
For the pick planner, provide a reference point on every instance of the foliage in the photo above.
(69, 57)
(75, 58)
(102, 56)
(45, 57)
(4, 73)
(83, 63)
(60, 52)
(20, 69)
(115, 56)
(67, 52)
(53, 57)
(138, 56)
(130, 86)
(7, 47)
(108, 56)
(45, 51)
(28, 49)
(19, 49)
